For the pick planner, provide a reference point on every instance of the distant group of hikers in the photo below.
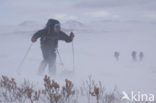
(133, 55)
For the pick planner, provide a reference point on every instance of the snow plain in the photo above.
(94, 46)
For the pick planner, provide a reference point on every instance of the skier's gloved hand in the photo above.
(33, 40)
(72, 35)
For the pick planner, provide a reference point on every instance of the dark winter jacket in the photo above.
(49, 38)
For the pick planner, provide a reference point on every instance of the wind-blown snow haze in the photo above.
(101, 28)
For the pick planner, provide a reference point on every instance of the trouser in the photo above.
(134, 58)
(49, 58)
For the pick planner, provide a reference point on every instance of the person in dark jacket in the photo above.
(49, 37)
(134, 55)
(116, 55)
(141, 56)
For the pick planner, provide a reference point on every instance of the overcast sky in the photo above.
(17, 11)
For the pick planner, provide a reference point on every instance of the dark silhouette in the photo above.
(116, 55)
(49, 37)
(141, 56)
(134, 55)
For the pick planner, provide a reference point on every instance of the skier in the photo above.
(116, 55)
(141, 56)
(49, 37)
(134, 54)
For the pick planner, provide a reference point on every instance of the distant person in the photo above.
(116, 55)
(141, 56)
(134, 55)
(49, 37)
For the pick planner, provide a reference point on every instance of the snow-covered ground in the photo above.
(94, 46)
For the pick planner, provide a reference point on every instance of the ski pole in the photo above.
(73, 52)
(22, 61)
(60, 57)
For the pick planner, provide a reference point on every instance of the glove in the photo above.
(33, 40)
(72, 35)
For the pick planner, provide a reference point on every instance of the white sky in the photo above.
(17, 11)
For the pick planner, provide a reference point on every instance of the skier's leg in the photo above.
(52, 64)
(44, 62)
(42, 66)
(135, 59)
(117, 58)
(141, 58)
